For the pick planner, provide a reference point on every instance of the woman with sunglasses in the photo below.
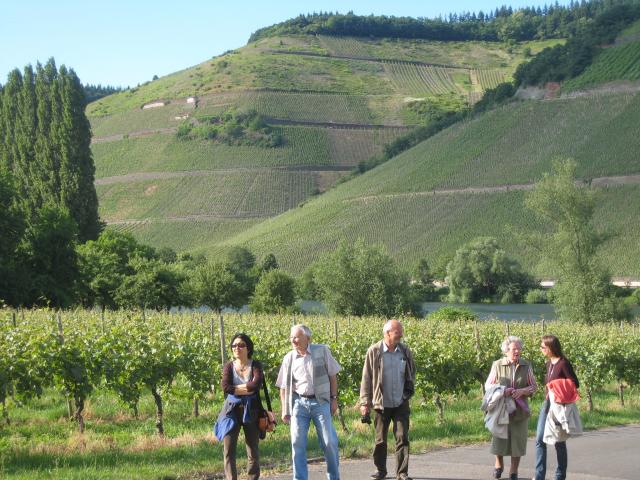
(558, 367)
(241, 382)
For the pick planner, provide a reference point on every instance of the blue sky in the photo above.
(123, 43)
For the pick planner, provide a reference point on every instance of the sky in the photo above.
(127, 42)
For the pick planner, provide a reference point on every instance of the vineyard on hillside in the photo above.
(166, 153)
(431, 226)
(516, 144)
(78, 353)
(616, 63)
(233, 193)
(411, 79)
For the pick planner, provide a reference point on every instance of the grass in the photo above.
(40, 443)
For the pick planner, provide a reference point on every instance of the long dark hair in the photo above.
(245, 338)
(553, 344)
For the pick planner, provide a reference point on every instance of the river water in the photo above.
(485, 311)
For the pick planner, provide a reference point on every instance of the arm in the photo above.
(227, 380)
(285, 418)
(570, 373)
(365, 385)
(333, 383)
(492, 379)
(530, 389)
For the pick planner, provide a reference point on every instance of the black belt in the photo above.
(306, 396)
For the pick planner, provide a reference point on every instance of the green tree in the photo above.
(45, 143)
(568, 245)
(154, 285)
(360, 280)
(481, 270)
(214, 284)
(241, 262)
(274, 293)
(12, 227)
(49, 256)
(104, 263)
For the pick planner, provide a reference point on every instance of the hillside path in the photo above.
(631, 179)
(607, 454)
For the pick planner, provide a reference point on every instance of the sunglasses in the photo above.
(239, 345)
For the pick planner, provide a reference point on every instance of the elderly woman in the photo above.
(241, 382)
(516, 375)
(558, 367)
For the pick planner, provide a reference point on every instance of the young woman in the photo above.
(241, 382)
(557, 367)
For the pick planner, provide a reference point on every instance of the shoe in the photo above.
(378, 475)
(513, 476)
(497, 473)
(404, 476)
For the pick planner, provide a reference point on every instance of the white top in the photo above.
(239, 379)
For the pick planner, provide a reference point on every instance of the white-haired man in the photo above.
(388, 379)
(309, 392)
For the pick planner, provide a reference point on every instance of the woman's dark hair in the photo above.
(553, 344)
(245, 338)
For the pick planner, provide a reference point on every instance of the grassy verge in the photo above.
(41, 443)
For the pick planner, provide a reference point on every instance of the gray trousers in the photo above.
(400, 418)
(251, 438)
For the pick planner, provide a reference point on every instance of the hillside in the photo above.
(334, 102)
(469, 181)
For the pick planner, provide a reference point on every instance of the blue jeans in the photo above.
(306, 410)
(541, 449)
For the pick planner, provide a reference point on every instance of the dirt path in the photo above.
(632, 179)
(147, 176)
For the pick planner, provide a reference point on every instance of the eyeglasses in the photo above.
(543, 347)
(238, 345)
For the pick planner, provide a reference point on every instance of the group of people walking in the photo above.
(308, 385)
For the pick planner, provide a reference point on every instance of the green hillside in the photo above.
(614, 64)
(404, 204)
(335, 102)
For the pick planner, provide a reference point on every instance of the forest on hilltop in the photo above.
(502, 24)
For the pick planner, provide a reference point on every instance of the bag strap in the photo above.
(266, 392)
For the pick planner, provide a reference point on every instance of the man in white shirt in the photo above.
(309, 392)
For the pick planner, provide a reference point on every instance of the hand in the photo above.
(364, 409)
(518, 394)
(508, 392)
(334, 406)
(286, 419)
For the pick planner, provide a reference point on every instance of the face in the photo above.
(299, 340)
(239, 348)
(546, 351)
(513, 352)
(393, 336)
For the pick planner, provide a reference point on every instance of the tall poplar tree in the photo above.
(46, 140)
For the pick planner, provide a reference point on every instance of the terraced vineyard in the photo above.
(235, 193)
(612, 64)
(414, 79)
(399, 205)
